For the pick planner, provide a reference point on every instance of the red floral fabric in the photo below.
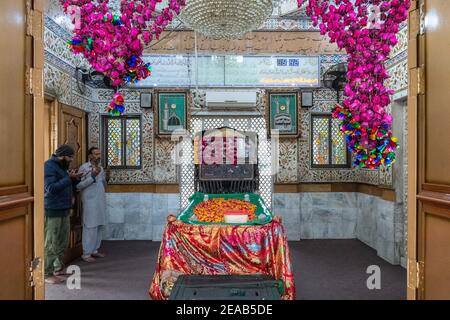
(222, 249)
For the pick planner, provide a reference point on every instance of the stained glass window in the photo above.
(328, 145)
(122, 140)
(339, 152)
(133, 143)
(114, 149)
(320, 143)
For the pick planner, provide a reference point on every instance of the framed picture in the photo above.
(171, 111)
(284, 112)
(146, 100)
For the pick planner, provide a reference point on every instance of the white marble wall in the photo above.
(317, 215)
(310, 215)
(139, 216)
(343, 215)
(376, 226)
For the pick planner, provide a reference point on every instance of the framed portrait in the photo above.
(284, 112)
(171, 111)
(146, 100)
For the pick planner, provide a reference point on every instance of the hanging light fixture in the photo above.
(225, 18)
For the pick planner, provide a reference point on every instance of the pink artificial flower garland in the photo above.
(114, 44)
(367, 125)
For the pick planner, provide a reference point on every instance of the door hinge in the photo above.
(420, 275)
(29, 76)
(34, 78)
(35, 269)
(29, 18)
(421, 19)
(415, 274)
(421, 80)
(412, 274)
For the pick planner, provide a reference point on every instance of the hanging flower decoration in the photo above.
(367, 30)
(137, 70)
(76, 45)
(116, 106)
(114, 44)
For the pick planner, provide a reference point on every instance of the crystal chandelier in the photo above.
(225, 18)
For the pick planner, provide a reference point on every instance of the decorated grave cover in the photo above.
(187, 214)
(225, 146)
(220, 250)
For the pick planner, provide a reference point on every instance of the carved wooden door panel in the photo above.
(72, 131)
(21, 166)
(429, 161)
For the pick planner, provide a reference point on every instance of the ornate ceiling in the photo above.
(286, 16)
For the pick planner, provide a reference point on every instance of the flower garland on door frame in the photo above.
(367, 30)
(114, 44)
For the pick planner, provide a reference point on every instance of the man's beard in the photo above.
(65, 164)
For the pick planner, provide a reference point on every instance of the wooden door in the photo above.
(429, 205)
(72, 131)
(50, 126)
(21, 182)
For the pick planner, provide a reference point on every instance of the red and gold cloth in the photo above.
(222, 249)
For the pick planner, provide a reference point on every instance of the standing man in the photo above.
(93, 199)
(58, 192)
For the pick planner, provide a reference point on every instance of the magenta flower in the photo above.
(363, 115)
(108, 41)
(117, 37)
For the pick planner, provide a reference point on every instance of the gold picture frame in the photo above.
(171, 111)
(283, 112)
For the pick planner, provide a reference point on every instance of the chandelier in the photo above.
(225, 18)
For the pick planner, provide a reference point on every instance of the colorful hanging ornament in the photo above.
(366, 29)
(116, 20)
(137, 70)
(116, 106)
(109, 40)
(76, 45)
(90, 44)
